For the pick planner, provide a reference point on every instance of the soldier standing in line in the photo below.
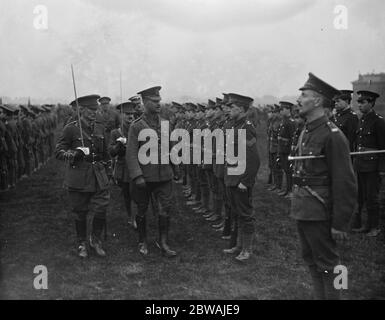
(4, 150)
(370, 168)
(285, 136)
(151, 178)
(241, 185)
(181, 124)
(187, 125)
(204, 116)
(270, 115)
(27, 137)
(223, 122)
(216, 197)
(276, 171)
(117, 148)
(325, 190)
(13, 138)
(195, 196)
(18, 116)
(345, 118)
(82, 146)
(36, 139)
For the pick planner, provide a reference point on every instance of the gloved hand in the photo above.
(140, 182)
(122, 140)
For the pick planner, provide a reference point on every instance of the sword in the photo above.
(358, 153)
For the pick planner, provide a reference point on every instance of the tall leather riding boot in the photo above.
(95, 241)
(331, 293)
(279, 177)
(227, 228)
(142, 236)
(247, 247)
(318, 284)
(164, 225)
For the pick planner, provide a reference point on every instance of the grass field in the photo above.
(36, 230)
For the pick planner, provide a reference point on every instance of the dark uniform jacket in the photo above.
(347, 121)
(247, 178)
(218, 168)
(88, 175)
(3, 140)
(151, 172)
(274, 128)
(370, 136)
(285, 135)
(324, 189)
(118, 150)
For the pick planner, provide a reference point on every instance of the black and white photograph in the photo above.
(208, 151)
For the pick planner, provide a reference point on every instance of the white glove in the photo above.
(85, 150)
(122, 140)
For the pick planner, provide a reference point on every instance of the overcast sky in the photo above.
(194, 49)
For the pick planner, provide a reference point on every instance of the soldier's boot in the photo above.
(81, 234)
(331, 293)
(247, 247)
(235, 242)
(318, 283)
(217, 210)
(142, 236)
(279, 179)
(95, 240)
(226, 234)
(164, 226)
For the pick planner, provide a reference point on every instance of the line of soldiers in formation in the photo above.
(284, 127)
(324, 191)
(26, 141)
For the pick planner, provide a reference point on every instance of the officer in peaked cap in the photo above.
(150, 179)
(84, 151)
(240, 184)
(370, 137)
(325, 190)
(345, 118)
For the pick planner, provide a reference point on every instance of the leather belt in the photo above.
(311, 181)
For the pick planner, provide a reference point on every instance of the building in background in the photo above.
(374, 82)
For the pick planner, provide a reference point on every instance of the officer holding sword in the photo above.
(82, 147)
